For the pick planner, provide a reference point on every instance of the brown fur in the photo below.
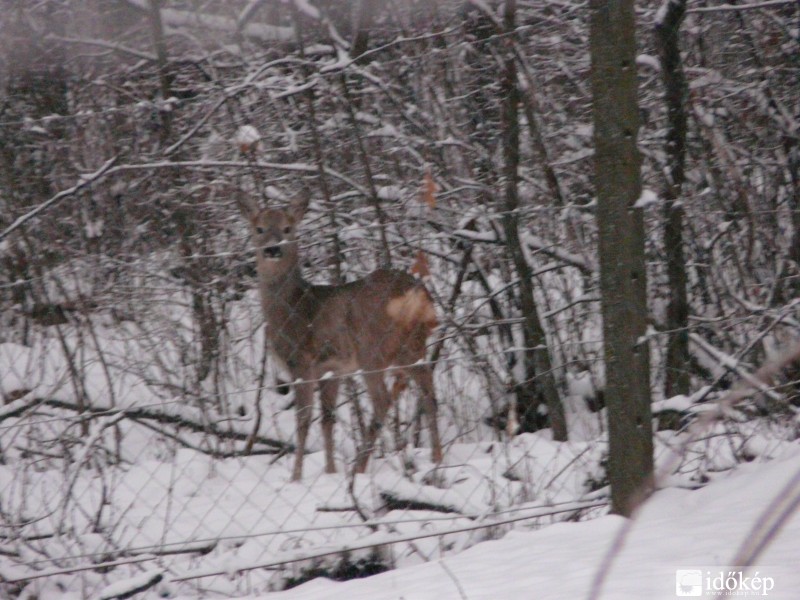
(412, 308)
(315, 331)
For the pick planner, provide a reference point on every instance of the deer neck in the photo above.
(280, 295)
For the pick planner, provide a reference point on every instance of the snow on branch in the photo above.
(760, 381)
(669, 13)
(534, 242)
(735, 7)
(108, 46)
(488, 12)
(127, 588)
(83, 181)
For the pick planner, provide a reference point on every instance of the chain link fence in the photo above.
(146, 434)
(123, 469)
(113, 471)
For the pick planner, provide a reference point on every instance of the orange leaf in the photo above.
(429, 190)
(420, 267)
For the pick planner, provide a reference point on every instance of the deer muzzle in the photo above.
(272, 252)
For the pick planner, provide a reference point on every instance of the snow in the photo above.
(223, 527)
(246, 135)
(476, 236)
(647, 198)
(180, 18)
(343, 59)
(676, 529)
(249, 518)
(390, 192)
(678, 403)
(661, 13)
(305, 7)
(648, 60)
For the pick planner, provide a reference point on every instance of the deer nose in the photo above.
(273, 252)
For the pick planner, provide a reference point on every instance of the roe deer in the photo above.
(321, 332)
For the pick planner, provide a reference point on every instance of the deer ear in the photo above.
(248, 207)
(299, 205)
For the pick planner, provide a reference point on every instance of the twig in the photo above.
(739, 7)
(455, 581)
(783, 506)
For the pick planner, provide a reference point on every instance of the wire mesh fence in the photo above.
(121, 481)
(139, 451)
(147, 436)
(149, 433)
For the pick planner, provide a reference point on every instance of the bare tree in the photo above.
(676, 367)
(539, 389)
(623, 277)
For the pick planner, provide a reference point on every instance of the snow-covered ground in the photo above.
(677, 530)
(91, 508)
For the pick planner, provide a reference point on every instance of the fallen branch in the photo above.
(127, 588)
(394, 501)
(18, 407)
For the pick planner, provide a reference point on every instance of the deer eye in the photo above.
(287, 229)
(259, 230)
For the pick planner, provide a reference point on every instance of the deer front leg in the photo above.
(423, 377)
(328, 390)
(381, 402)
(304, 407)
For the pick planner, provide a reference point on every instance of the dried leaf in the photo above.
(429, 189)
(420, 267)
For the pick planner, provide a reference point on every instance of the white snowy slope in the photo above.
(677, 529)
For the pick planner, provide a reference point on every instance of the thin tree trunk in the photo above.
(386, 253)
(164, 78)
(675, 94)
(540, 386)
(622, 261)
(365, 15)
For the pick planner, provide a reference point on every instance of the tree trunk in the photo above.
(164, 78)
(622, 262)
(675, 94)
(365, 15)
(539, 386)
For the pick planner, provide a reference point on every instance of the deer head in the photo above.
(273, 232)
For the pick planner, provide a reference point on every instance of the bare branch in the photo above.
(740, 7)
(178, 418)
(84, 181)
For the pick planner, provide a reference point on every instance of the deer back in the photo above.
(381, 320)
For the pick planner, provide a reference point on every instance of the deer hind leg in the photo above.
(381, 402)
(304, 407)
(328, 390)
(398, 387)
(423, 377)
